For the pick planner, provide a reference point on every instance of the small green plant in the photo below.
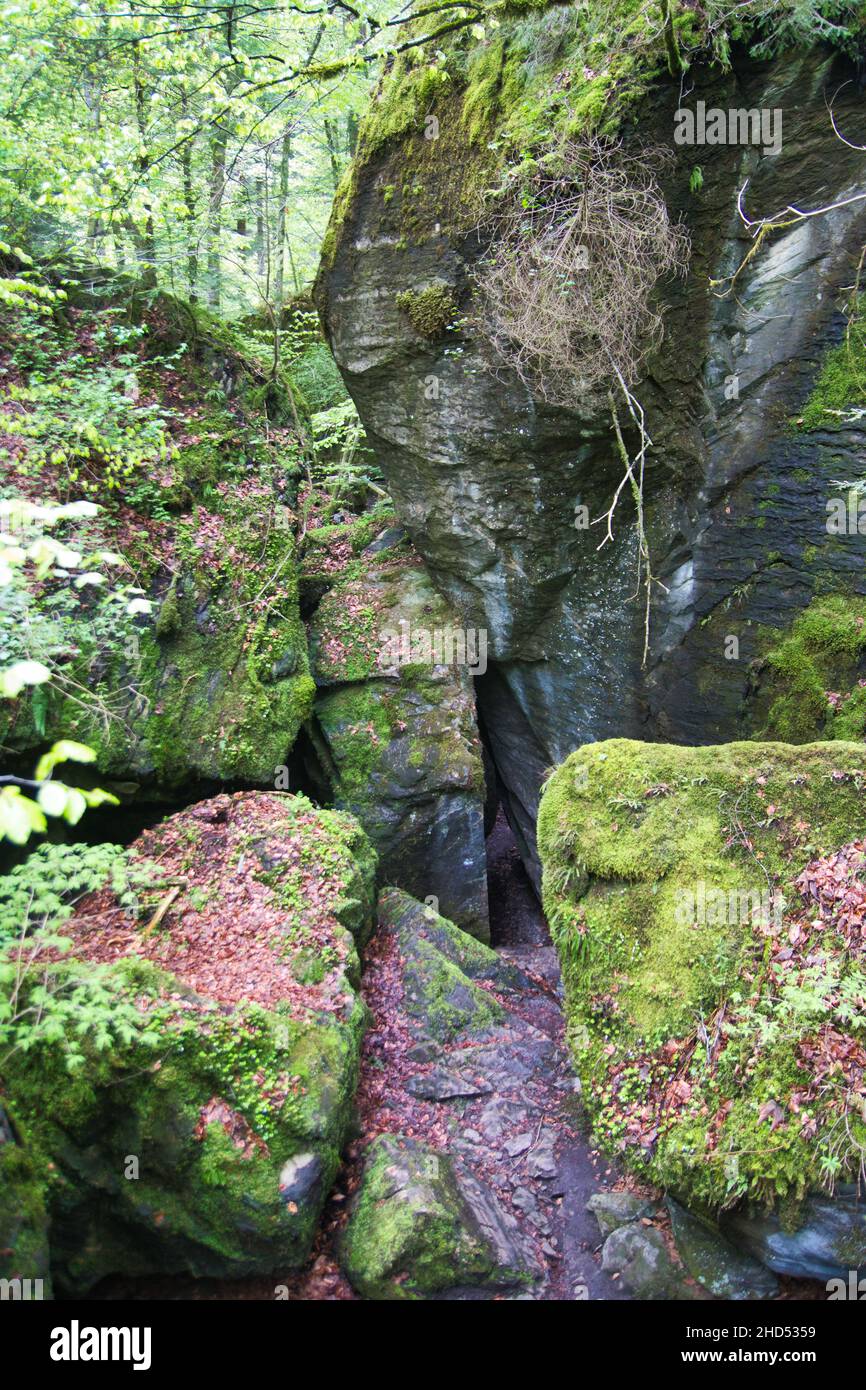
(46, 998)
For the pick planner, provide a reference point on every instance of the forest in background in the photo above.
(196, 145)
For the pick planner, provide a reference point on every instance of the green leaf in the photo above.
(14, 678)
(66, 749)
(52, 798)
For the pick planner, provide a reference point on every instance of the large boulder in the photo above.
(209, 1144)
(396, 715)
(707, 905)
(489, 478)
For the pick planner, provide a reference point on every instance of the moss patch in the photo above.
(430, 310)
(811, 683)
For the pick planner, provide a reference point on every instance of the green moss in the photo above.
(841, 385)
(417, 1240)
(430, 310)
(441, 997)
(207, 1196)
(23, 1214)
(823, 655)
(630, 836)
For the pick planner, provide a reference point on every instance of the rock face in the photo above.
(724, 1271)
(396, 714)
(210, 1146)
(423, 1228)
(487, 478)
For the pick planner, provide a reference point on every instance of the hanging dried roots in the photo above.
(566, 293)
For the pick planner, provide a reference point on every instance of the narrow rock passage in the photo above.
(520, 934)
(486, 1081)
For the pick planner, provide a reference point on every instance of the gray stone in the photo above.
(541, 1162)
(527, 1202)
(828, 1241)
(639, 1255)
(440, 1084)
(301, 1178)
(614, 1209)
(391, 537)
(724, 1271)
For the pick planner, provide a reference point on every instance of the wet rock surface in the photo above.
(723, 1270)
(399, 739)
(486, 477)
(826, 1242)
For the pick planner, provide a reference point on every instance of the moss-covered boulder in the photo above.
(207, 1145)
(23, 1213)
(443, 972)
(396, 714)
(707, 904)
(420, 1229)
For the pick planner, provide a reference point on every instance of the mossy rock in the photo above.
(24, 1218)
(214, 683)
(415, 922)
(695, 995)
(209, 1149)
(401, 737)
(413, 1233)
(440, 967)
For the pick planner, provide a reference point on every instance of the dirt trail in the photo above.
(520, 934)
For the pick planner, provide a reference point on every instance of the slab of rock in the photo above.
(828, 1242)
(614, 1209)
(440, 1083)
(421, 1227)
(441, 967)
(541, 1162)
(401, 740)
(724, 1271)
(639, 1254)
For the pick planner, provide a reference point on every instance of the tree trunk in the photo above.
(189, 206)
(145, 236)
(282, 200)
(219, 146)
